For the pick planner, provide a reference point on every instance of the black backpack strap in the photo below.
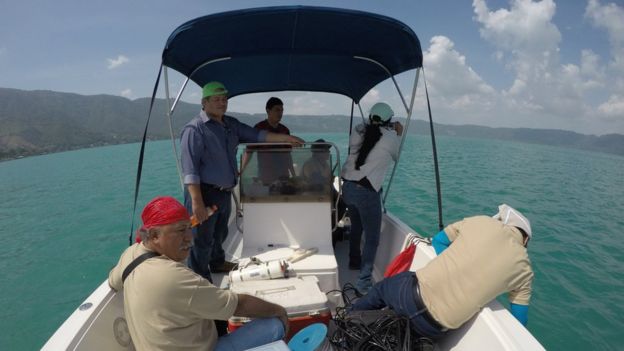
(137, 261)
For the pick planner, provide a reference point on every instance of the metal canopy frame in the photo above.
(408, 110)
(389, 45)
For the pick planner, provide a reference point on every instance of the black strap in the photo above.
(435, 157)
(137, 261)
(363, 182)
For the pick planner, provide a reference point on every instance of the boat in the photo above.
(293, 48)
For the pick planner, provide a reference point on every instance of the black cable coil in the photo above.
(372, 330)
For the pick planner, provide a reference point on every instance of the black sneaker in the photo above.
(424, 344)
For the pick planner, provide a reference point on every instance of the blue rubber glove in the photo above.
(440, 242)
(521, 312)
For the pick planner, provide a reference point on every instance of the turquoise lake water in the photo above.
(65, 218)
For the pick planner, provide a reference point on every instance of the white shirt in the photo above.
(377, 161)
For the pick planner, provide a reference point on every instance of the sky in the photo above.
(499, 63)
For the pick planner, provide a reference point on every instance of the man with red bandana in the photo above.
(170, 307)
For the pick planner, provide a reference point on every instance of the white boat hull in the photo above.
(99, 324)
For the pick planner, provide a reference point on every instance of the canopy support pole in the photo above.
(175, 103)
(177, 99)
(170, 119)
(171, 109)
(407, 123)
(408, 110)
(142, 154)
(350, 128)
(435, 157)
(208, 63)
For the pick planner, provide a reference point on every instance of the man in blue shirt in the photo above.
(208, 146)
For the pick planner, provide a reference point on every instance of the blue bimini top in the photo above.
(293, 48)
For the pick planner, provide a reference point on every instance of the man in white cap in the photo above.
(478, 259)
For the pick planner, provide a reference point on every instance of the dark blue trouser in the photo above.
(397, 292)
(208, 237)
(365, 213)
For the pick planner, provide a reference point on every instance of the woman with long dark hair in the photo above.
(372, 148)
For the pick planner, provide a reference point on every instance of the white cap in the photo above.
(380, 113)
(510, 216)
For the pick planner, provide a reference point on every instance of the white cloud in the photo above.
(306, 104)
(120, 60)
(127, 93)
(526, 25)
(614, 107)
(547, 92)
(370, 98)
(528, 37)
(590, 65)
(451, 76)
(453, 83)
(610, 17)
(499, 55)
(295, 103)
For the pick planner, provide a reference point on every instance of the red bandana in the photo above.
(163, 210)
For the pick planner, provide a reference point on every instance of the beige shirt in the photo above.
(168, 306)
(486, 258)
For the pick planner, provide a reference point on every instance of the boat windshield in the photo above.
(281, 173)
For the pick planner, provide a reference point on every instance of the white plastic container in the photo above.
(296, 295)
(301, 297)
(267, 270)
(322, 265)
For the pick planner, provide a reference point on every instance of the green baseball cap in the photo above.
(213, 88)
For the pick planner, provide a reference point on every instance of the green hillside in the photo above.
(39, 122)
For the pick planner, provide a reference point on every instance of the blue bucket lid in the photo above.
(308, 338)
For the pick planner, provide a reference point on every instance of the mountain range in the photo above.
(39, 122)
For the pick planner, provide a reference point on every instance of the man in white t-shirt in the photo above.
(478, 259)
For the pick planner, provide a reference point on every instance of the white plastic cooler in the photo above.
(301, 297)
